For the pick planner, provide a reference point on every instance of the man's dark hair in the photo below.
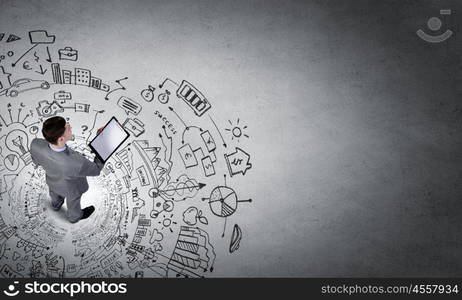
(53, 128)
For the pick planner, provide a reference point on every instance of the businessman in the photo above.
(66, 170)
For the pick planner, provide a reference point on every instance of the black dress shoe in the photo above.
(87, 211)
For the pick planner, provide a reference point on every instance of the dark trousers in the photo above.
(74, 211)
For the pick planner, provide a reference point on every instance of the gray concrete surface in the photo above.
(354, 120)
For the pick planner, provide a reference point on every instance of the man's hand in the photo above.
(99, 130)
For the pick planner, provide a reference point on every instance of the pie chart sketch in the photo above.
(223, 201)
(11, 162)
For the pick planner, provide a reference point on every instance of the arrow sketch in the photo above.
(41, 70)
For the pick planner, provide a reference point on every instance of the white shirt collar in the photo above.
(58, 149)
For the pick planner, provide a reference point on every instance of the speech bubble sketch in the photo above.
(129, 106)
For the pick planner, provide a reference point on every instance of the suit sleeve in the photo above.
(89, 168)
(32, 153)
(34, 160)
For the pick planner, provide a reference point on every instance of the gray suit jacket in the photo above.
(66, 171)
